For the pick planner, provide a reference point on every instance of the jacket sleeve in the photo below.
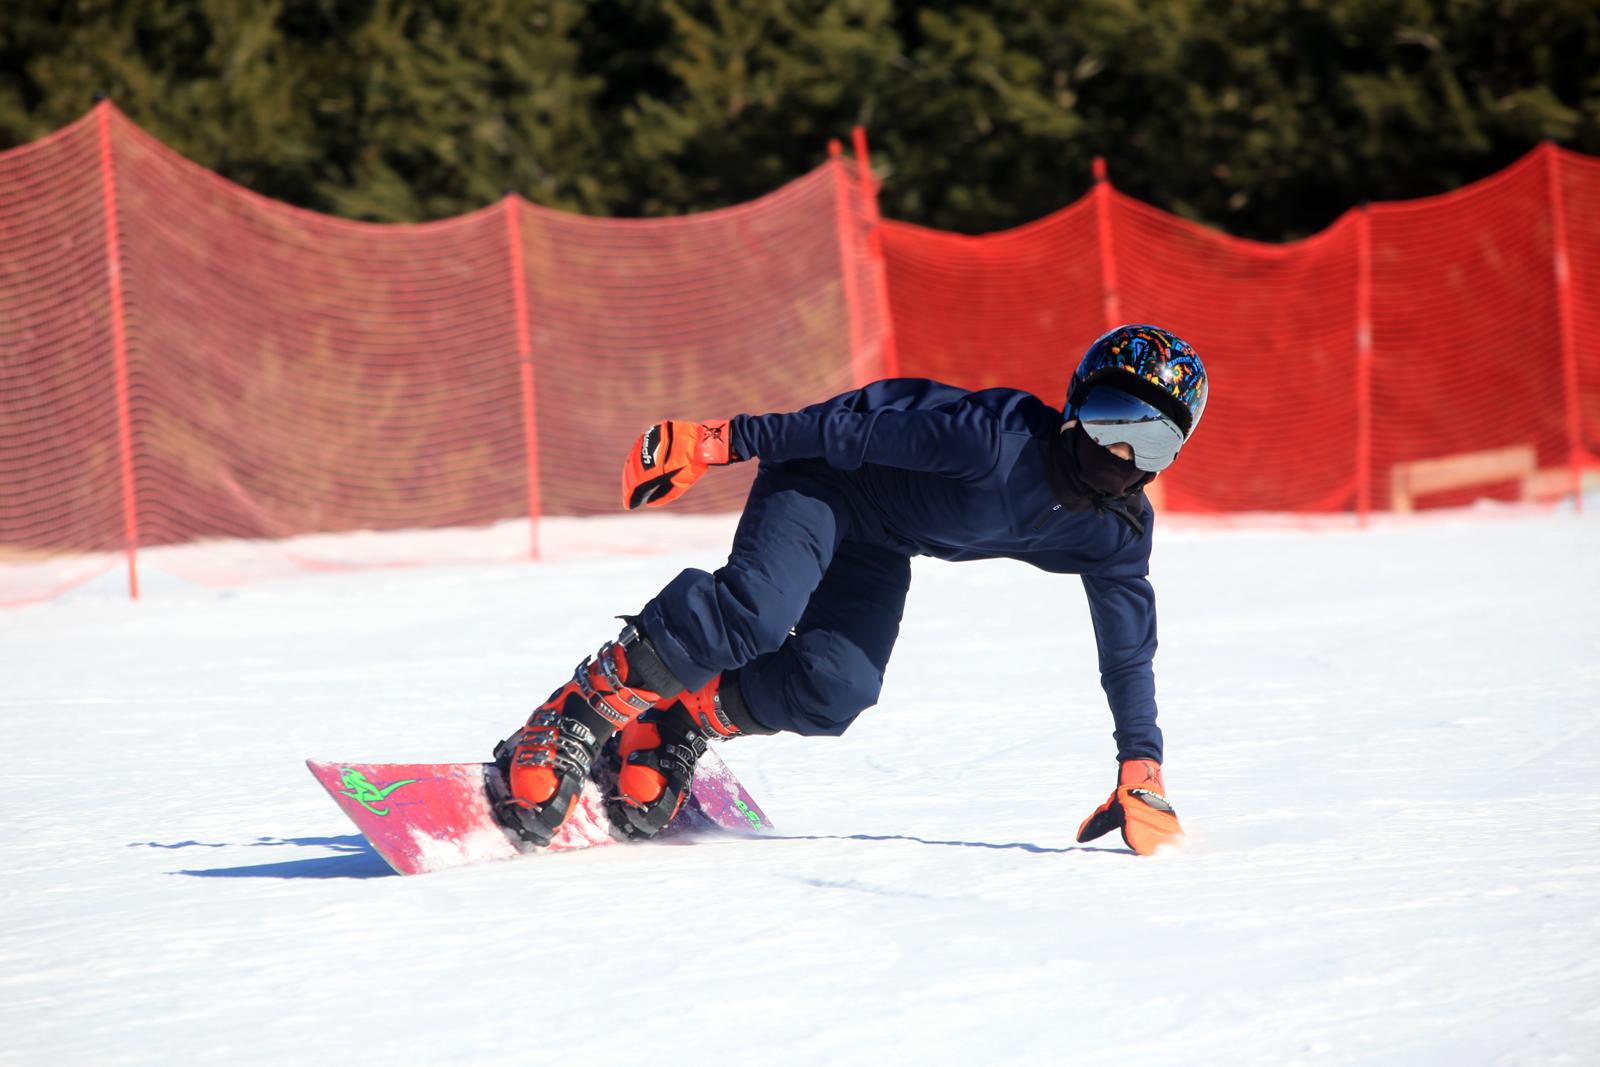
(1123, 610)
(911, 424)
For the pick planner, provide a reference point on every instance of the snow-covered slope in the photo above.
(1382, 745)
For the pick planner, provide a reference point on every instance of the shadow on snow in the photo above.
(354, 858)
(1020, 846)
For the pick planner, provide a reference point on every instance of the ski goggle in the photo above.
(1112, 417)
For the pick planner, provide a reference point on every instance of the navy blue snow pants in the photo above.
(807, 616)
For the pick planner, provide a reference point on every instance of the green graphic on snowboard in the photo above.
(363, 792)
(744, 809)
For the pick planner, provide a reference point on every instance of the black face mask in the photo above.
(1091, 472)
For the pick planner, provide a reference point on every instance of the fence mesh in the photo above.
(181, 359)
(59, 459)
(1467, 355)
(1276, 326)
(1411, 355)
(295, 373)
(1578, 192)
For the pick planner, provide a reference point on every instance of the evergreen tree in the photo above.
(746, 96)
(435, 107)
(384, 109)
(1266, 117)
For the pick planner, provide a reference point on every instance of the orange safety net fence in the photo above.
(181, 359)
(1413, 354)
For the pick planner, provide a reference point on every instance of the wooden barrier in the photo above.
(1407, 481)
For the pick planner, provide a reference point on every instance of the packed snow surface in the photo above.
(1382, 744)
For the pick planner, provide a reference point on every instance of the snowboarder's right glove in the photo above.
(1138, 807)
(670, 456)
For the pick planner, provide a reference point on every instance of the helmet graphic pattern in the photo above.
(1152, 354)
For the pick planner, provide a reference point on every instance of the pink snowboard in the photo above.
(428, 817)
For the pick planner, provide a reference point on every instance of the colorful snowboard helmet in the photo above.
(1141, 386)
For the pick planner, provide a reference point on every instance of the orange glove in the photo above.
(1138, 807)
(669, 457)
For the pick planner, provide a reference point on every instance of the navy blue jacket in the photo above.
(929, 469)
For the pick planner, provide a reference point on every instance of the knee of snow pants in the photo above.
(816, 685)
(704, 623)
(832, 669)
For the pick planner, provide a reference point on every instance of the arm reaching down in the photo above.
(1123, 610)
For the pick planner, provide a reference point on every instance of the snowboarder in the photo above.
(793, 633)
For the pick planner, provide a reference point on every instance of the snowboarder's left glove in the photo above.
(671, 456)
(1138, 807)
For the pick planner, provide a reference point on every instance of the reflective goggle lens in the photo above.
(1112, 417)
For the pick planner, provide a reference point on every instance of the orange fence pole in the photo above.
(119, 348)
(1108, 248)
(1564, 321)
(860, 373)
(1363, 364)
(530, 425)
(869, 199)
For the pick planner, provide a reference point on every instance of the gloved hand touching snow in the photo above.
(1138, 807)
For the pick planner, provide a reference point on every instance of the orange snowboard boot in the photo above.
(546, 762)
